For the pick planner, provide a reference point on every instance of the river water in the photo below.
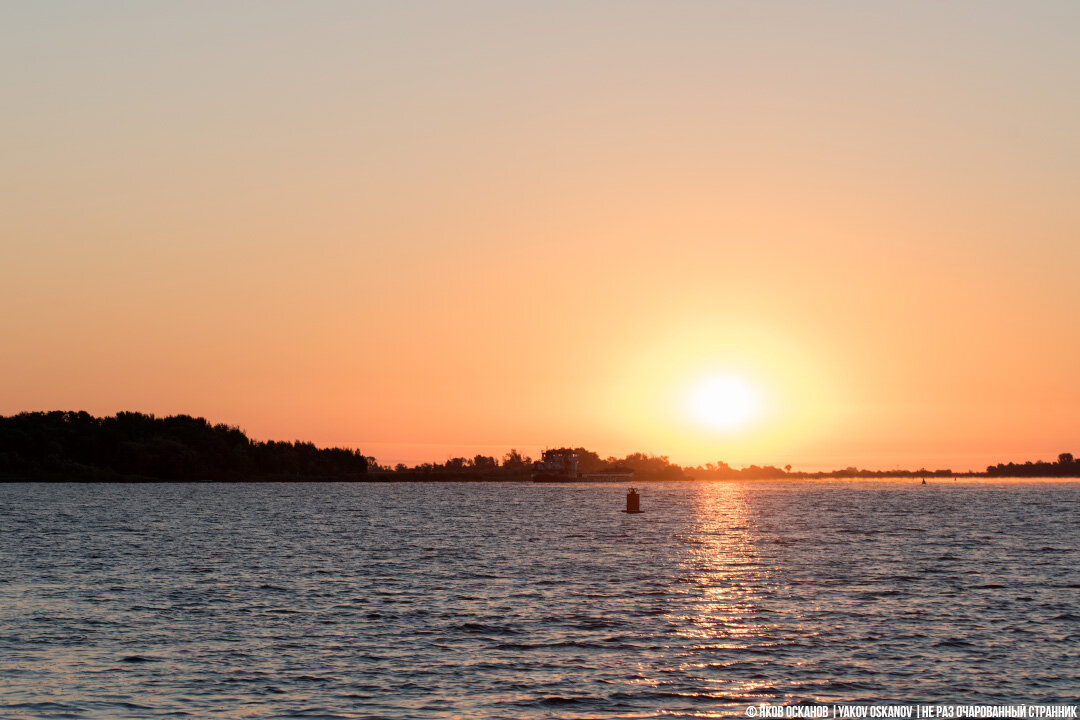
(426, 600)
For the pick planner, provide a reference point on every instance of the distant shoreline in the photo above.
(131, 447)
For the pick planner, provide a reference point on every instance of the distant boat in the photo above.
(562, 466)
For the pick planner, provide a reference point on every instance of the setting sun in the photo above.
(723, 403)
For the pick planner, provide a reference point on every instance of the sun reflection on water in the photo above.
(723, 622)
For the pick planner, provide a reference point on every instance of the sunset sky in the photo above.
(436, 229)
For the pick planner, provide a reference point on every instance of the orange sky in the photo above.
(440, 229)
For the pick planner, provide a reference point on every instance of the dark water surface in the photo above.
(530, 601)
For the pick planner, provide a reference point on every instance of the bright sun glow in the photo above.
(723, 403)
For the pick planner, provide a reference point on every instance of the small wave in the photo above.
(847, 685)
(50, 707)
(559, 701)
(485, 629)
(954, 642)
(598, 624)
(318, 712)
(311, 678)
(550, 645)
(703, 697)
(129, 705)
(765, 690)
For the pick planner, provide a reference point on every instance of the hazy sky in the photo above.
(433, 229)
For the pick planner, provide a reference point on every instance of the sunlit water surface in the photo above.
(530, 601)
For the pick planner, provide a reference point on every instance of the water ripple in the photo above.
(507, 600)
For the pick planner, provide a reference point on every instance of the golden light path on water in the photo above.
(722, 582)
(730, 573)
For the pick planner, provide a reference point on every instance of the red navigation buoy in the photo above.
(633, 502)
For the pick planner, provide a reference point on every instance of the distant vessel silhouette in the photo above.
(562, 466)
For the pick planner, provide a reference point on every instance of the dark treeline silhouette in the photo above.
(754, 472)
(131, 446)
(1066, 466)
(515, 466)
(645, 467)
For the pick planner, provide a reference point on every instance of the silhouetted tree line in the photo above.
(134, 446)
(1066, 466)
(515, 466)
(753, 472)
(646, 467)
